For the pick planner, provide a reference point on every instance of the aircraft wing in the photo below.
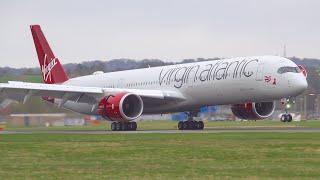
(22, 91)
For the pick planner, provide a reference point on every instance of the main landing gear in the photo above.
(191, 124)
(123, 126)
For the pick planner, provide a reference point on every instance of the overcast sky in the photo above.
(170, 30)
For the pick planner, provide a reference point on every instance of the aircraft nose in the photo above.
(301, 84)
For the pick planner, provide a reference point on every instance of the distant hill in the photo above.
(307, 62)
(88, 67)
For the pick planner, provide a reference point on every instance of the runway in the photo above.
(171, 131)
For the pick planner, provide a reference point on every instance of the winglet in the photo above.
(52, 70)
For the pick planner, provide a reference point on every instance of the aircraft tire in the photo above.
(197, 125)
(130, 126)
(289, 116)
(201, 124)
(113, 126)
(283, 118)
(134, 126)
(190, 125)
(185, 125)
(180, 125)
(124, 126)
(118, 126)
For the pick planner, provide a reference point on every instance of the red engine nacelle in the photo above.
(121, 107)
(253, 110)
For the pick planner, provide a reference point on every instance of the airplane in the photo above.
(251, 85)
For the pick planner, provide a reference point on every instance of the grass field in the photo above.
(161, 156)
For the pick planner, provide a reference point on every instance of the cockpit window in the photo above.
(286, 69)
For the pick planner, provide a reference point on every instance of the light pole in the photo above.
(316, 105)
(306, 105)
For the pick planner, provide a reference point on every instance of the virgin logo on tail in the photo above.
(47, 68)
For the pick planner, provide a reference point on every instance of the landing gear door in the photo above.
(259, 76)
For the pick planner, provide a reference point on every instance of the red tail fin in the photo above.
(51, 69)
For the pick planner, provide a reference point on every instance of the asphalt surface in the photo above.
(171, 131)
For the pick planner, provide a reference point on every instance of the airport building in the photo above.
(36, 119)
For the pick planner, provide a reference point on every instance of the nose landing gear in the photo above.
(286, 117)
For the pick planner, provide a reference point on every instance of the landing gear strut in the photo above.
(123, 126)
(191, 124)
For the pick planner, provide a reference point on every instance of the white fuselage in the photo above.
(218, 82)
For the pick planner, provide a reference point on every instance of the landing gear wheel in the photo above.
(192, 124)
(113, 126)
(201, 124)
(289, 118)
(133, 126)
(185, 125)
(197, 125)
(130, 126)
(118, 126)
(286, 118)
(123, 126)
(180, 125)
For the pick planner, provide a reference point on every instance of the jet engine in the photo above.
(253, 111)
(121, 107)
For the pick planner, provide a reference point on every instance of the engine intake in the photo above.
(253, 111)
(121, 107)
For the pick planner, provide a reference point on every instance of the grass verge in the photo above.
(160, 156)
